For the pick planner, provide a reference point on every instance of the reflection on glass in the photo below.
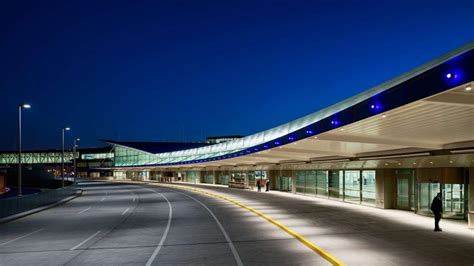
(403, 193)
(352, 186)
(224, 179)
(322, 183)
(368, 187)
(311, 183)
(427, 192)
(335, 184)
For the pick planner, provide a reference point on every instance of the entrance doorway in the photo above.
(284, 183)
(452, 197)
(427, 191)
(405, 189)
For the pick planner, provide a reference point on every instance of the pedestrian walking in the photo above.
(437, 209)
(259, 186)
(267, 186)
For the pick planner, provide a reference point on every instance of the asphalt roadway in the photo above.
(137, 224)
(143, 224)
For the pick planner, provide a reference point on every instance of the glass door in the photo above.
(285, 183)
(405, 189)
(403, 194)
(453, 200)
(427, 191)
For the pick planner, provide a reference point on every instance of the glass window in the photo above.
(427, 192)
(310, 182)
(453, 199)
(322, 183)
(335, 184)
(300, 181)
(352, 186)
(368, 187)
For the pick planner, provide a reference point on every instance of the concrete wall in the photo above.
(385, 188)
(441, 175)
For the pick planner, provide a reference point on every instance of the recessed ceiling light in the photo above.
(414, 163)
(386, 164)
(383, 116)
(431, 162)
(315, 137)
(450, 161)
(342, 129)
(468, 88)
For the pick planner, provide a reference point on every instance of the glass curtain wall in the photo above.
(224, 178)
(251, 178)
(352, 186)
(453, 199)
(336, 184)
(209, 179)
(300, 182)
(452, 195)
(192, 176)
(126, 157)
(283, 183)
(368, 187)
(312, 182)
(427, 191)
(322, 183)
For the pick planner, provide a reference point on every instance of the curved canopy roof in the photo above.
(440, 75)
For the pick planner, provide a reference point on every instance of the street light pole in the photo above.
(74, 156)
(62, 155)
(20, 106)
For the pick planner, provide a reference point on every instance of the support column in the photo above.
(385, 188)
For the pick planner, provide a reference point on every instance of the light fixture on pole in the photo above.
(20, 107)
(62, 155)
(74, 156)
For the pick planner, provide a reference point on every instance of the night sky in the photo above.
(184, 70)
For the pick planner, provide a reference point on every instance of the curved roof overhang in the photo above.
(437, 83)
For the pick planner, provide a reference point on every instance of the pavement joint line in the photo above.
(237, 258)
(165, 233)
(297, 236)
(124, 212)
(18, 238)
(85, 241)
(84, 210)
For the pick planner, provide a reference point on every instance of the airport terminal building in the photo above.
(394, 146)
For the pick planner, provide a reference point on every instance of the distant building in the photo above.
(220, 139)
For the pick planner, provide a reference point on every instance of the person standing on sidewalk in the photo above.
(437, 209)
(267, 185)
(259, 186)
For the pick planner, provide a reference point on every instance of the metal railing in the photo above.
(15, 205)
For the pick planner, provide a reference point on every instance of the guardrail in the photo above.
(16, 205)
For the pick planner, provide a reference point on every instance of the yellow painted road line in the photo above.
(300, 238)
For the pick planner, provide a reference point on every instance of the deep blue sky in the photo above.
(152, 70)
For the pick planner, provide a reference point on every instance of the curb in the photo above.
(39, 209)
